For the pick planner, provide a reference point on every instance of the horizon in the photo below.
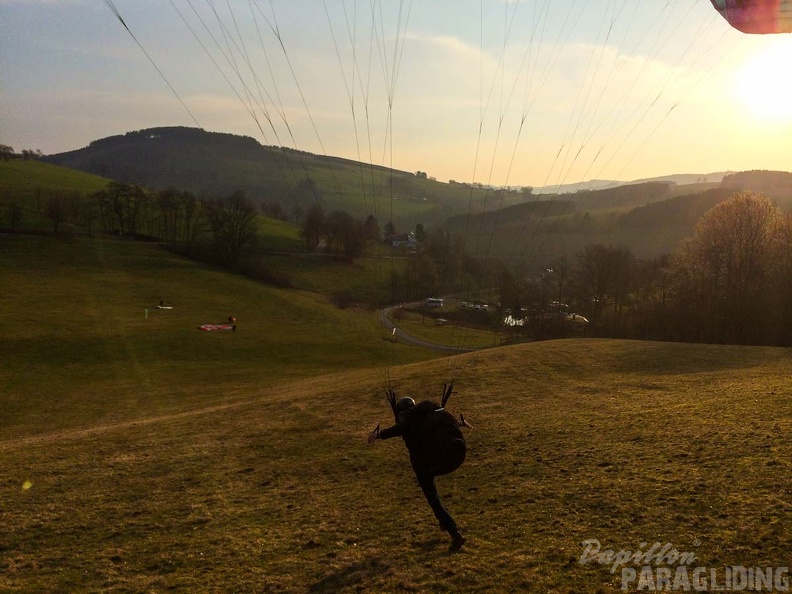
(593, 184)
(496, 92)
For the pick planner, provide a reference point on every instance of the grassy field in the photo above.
(29, 184)
(424, 327)
(368, 278)
(279, 235)
(138, 454)
(30, 175)
(76, 333)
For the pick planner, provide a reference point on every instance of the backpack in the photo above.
(439, 445)
(434, 437)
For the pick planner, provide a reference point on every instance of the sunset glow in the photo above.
(498, 92)
(764, 85)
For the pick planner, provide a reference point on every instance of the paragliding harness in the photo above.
(438, 445)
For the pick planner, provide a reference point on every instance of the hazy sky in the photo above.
(537, 92)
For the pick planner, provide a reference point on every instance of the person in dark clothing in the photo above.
(428, 460)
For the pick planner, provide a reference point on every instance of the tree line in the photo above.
(220, 229)
(224, 227)
(7, 153)
(730, 282)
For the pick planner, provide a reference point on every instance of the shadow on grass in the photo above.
(352, 574)
(431, 544)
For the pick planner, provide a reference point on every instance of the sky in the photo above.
(532, 92)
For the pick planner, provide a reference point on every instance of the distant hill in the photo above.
(776, 185)
(650, 219)
(191, 159)
(649, 216)
(678, 212)
(628, 195)
(211, 164)
(594, 184)
(546, 206)
(684, 179)
(680, 179)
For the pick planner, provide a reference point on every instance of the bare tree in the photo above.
(86, 212)
(193, 220)
(419, 278)
(780, 289)
(603, 276)
(557, 277)
(344, 234)
(169, 209)
(56, 209)
(312, 226)
(651, 286)
(371, 229)
(233, 224)
(724, 268)
(120, 205)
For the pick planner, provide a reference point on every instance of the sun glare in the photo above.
(764, 84)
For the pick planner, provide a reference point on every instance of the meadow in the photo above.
(139, 454)
(27, 177)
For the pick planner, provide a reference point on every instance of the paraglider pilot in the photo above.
(436, 446)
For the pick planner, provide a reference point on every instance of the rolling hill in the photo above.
(30, 175)
(81, 311)
(649, 218)
(140, 454)
(211, 164)
(26, 187)
(679, 179)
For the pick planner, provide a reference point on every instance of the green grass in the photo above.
(74, 323)
(277, 235)
(27, 175)
(366, 281)
(29, 184)
(425, 328)
(143, 455)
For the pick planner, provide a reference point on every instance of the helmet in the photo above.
(403, 408)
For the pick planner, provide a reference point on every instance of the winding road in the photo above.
(407, 338)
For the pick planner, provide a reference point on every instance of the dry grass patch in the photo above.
(625, 442)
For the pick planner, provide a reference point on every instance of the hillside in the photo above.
(679, 179)
(684, 179)
(140, 454)
(649, 218)
(625, 196)
(27, 175)
(681, 212)
(28, 185)
(230, 481)
(211, 164)
(75, 322)
(776, 185)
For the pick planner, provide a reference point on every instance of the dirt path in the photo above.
(17, 442)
